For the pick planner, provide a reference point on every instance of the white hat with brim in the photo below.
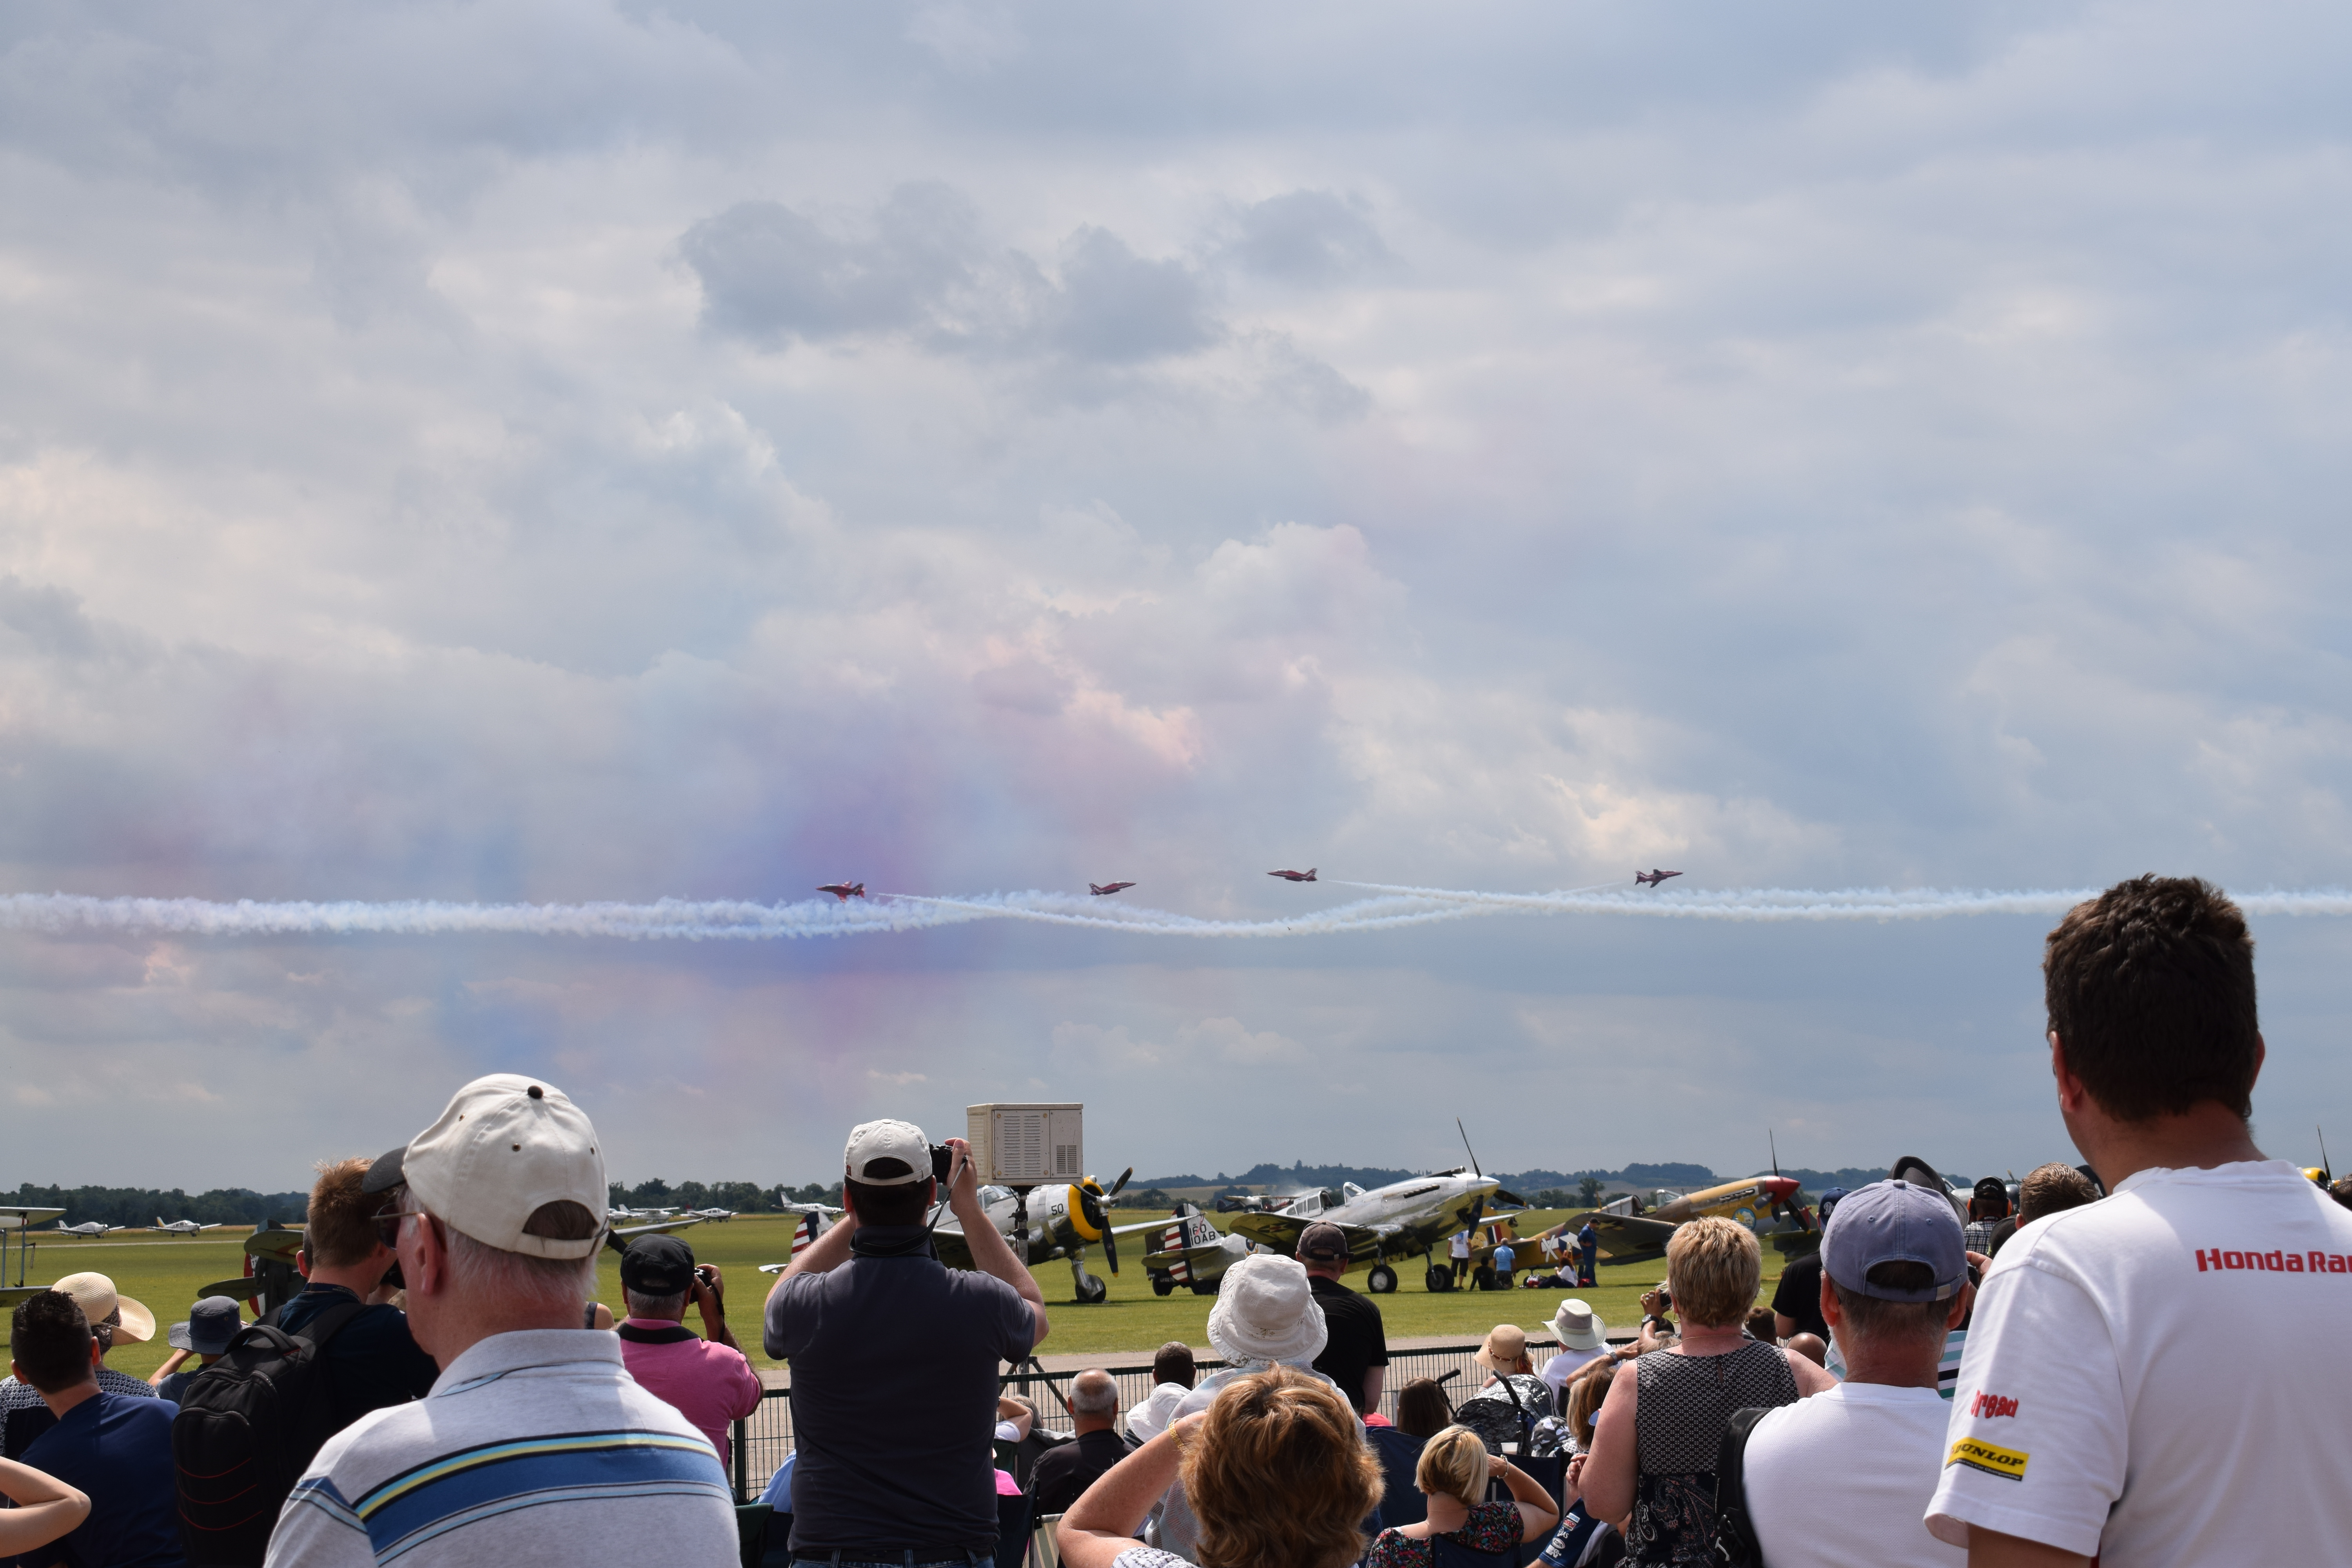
(1578, 1327)
(99, 1300)
(504, 1147)
(1265, 1310)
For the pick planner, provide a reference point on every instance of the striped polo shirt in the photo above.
(534, 1448)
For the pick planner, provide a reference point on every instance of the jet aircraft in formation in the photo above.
(1653, 877)
(1100, 889)
(843, 890)
(182, 1227)
(1306, 875)
(87, 1228)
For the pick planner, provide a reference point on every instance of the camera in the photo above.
(943, 1162)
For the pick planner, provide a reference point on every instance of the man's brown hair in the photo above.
(2049, 1188)
(902, 1203)
(339, 1229)
(2150, 991)
(1280, 1473)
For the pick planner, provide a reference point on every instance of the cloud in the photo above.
(1306, 236)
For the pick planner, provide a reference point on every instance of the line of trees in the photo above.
(145, 1205)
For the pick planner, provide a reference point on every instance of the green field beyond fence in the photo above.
(164, 1273)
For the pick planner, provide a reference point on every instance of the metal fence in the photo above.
(763, 1439)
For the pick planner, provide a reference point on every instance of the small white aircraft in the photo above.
(87, 1228)
(621, 1211)
(714, 1216)
(181, 1227)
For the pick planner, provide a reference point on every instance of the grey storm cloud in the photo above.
(919, 268)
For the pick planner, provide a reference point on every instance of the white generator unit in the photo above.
(1027, 1145)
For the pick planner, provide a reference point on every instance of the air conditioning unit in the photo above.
(1027, 1145)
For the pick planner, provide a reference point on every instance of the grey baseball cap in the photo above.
(1895, 1222)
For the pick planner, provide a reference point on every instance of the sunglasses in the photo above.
(387, 1224)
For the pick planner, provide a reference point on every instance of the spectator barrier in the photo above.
(763, 1438)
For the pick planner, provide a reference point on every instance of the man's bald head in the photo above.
(1094, 1401)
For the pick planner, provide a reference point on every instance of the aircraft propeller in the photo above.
(2327, 1172)
(1097, 1208)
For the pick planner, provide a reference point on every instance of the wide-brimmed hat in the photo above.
(1265, 1310)
(1505, 1347)
(95, 1294)
(1578, 1327)
(212, 1323)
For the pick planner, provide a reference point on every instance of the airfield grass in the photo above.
(164, 1273)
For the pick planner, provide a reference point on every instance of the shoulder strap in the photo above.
(1735, 1534)
(331, 1322)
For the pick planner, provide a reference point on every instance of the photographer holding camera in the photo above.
(895, 1361)
(705, 1378)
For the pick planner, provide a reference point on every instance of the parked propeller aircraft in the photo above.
(1064, 1220)
(1194, 1253)
(713, 1215)
(815, 1219)
(1403, 1219)
(621, 1211)
(1271, 1203)
(1653, 877)
(87, 1228)
(182, 1227)
(1627, 1236)
(1100, 889)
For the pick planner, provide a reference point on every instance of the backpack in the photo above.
(1735, 1532)
(247, 1428)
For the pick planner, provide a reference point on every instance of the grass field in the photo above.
(165, 1272)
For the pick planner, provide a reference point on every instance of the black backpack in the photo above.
(248, 1426)
(1735, 1532)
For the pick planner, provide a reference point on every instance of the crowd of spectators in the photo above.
(1941, 1383)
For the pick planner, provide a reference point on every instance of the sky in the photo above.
(521, 452)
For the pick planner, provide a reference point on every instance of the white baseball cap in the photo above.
(900, 1141)
(505, 1145)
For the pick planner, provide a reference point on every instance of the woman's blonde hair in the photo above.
(1713, 1266)
(1280, 1475)
(1454, 1464)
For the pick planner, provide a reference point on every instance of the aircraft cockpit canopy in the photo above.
(991, 1194)
(1353, 1191)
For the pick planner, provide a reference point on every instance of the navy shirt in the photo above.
(372, 1363)
(894, 1400)
(119, 1450)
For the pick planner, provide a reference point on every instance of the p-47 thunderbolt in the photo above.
(1100, 889)
(1653, 877)
(845, 889)
(87, 1228)
(1306, 875)
(1403, 1219)
(1062, 1221)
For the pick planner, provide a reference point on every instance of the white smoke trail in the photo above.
(742, 921)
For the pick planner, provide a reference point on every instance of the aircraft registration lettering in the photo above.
(2009, 1464)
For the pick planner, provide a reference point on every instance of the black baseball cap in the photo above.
(1993, 1187)
(387, 1172)
(657, 1265)
(1324, 1243)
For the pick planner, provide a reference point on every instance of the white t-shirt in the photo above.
(1461, 1245)
(1565, 1365)
(2164, 1377)
(1839, 1481)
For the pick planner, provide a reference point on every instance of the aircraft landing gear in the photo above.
(1091, 1290)
(1438, 1281)
(1162, 1285)
(1210, 1288)
(1381, 1281)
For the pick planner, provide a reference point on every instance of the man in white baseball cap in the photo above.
(534, 1439)
(875, 1328)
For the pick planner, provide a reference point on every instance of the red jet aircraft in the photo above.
(845, 890)
(1653, 876)
(1306, 875)
(1099, 889)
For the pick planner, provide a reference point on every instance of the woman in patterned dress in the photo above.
(1653, 1461)
(1453, 1473)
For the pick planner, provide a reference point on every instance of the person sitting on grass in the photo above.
(1276, 1470)
(1453, 1475)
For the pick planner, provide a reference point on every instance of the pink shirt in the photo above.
(707, 1384)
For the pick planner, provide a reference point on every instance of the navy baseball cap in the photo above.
(657, 1265)
(1895, 1221)
(1830, 1201)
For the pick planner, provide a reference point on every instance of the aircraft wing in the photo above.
(1280, 1232)
(1623, 1238)
(1160, 1224)
(618, 1240)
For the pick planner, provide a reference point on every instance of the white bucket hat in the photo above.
(1265, 1310)
(1578, 1327)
